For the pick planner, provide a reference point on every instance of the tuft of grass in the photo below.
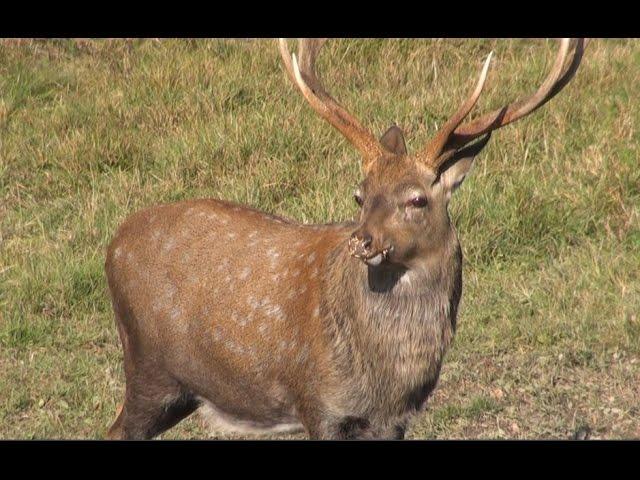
(93, 130)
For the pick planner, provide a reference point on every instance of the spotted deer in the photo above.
(268, 325)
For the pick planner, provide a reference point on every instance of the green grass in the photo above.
(91, 131)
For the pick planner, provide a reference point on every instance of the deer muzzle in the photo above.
(362, 246)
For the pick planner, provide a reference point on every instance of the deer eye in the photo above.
(358, 198)
(418, 202)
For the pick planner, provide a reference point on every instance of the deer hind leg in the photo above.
(115, 432)
(154, 403)
(154, 400)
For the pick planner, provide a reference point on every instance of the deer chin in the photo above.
(377, 259)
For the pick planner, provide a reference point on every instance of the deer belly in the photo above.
(222, 421)
(238, 381)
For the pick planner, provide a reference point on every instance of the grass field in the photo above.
(91, 131)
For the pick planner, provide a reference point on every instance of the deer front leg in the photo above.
(321, 426)
(341, 428)
(354, 428)
(395, 431)
(359, 428)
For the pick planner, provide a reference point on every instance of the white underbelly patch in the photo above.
(220, 421)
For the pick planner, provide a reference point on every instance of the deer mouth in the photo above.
(376, 259)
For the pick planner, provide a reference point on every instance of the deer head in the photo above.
(404, 197)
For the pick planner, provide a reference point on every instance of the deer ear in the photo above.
(393, 140)
(454, 170)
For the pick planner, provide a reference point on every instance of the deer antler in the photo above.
(453, 135)
(439, 142)
(301, 71)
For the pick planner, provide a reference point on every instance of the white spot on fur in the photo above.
(169, 244)
(234, 346)
(245, 273)
(169, 290)
(263, 328)
(273, 254)
(253, 303)
(236, 319)
(218, 333)
(405, 279)
(223, 265)
(287, 345)
(176, 313)
(274, 311)
(303, 353)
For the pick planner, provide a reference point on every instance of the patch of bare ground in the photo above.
(528, 396)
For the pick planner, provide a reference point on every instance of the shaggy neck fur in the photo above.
(391, 337)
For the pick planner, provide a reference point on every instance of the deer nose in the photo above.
(366, 241)
(359, 244)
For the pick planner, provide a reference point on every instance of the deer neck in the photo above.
(395, 301)
(393, 323)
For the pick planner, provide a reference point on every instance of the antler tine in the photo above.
(286, 58)
(555, 81)
(307, 51)
(448, 140)
(581, 44)
(435, 147)
(301, 71)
